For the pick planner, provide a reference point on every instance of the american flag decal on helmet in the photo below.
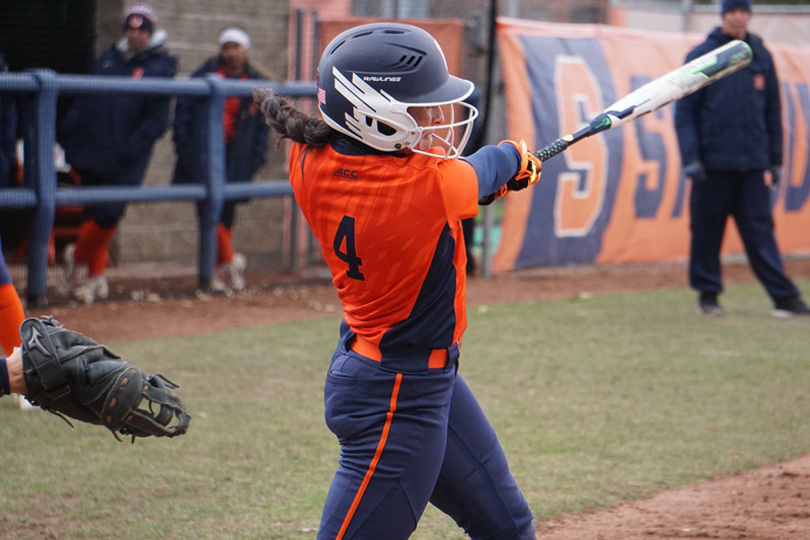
(322, 96)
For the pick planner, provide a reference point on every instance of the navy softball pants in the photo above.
(409, 438)
(744, 196)
(108, 214)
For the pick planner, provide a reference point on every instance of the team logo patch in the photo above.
(759, 81)
(346, 173)
(35, 342)
(135, 21)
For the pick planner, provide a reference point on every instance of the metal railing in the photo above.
(42, 88)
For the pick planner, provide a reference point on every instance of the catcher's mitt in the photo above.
(69, 374)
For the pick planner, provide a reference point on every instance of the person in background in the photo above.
(12, 315)
(246, 136)
(8, 131)
(12, 311)
(108, 139)
(730, 137)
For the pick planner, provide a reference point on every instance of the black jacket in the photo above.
(734, 123)
(8, 130)
(244, 155)
(113, 134)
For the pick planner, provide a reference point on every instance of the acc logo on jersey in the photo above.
(345, 173)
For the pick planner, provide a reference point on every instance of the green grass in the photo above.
(595, 400)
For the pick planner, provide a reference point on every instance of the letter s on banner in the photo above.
(582, 186)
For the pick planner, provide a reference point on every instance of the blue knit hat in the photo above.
(728, 5)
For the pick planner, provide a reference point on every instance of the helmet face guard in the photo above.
(370, 76)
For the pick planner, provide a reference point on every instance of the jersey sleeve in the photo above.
(494, 166)
(459, 188)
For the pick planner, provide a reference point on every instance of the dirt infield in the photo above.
(768, 503)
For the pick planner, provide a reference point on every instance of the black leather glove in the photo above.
(695, 171)
(776, 171)
(69, 374)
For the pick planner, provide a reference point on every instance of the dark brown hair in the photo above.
(281, 114)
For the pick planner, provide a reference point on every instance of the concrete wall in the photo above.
(775, 24)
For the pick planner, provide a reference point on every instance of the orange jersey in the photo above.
(390, 229)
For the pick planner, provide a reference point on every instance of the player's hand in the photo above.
(528, 173)
(695, 171)
(530, 167)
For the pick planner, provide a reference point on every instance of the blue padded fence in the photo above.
(42, 88)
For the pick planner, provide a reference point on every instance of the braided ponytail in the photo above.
(281, 114)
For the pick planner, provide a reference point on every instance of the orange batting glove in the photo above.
(527, 174)
(530, 167)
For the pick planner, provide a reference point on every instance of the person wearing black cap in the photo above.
(246, 136)
(730, 137)
(108, 139)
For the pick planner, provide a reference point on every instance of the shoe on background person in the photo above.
(236, 271)
(95, 288)
(790, 306)
(229, 276)
(68, 270)
(708, 304)
(22, 402)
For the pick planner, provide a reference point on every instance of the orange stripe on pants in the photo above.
(373, 465)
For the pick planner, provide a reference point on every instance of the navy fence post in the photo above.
(211, 207)
(40, 135)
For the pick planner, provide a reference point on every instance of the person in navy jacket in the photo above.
(8, 130)
(246, 136)
(730, 137)
(108, 139)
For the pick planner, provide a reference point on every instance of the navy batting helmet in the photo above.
(370, 75)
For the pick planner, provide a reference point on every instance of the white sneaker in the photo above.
(236, 268)
(96, 287)
(229, 277)
(217, 285)
(102, 287)
(68, 270)
(23, 403)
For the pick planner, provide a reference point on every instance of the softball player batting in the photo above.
(379, 180)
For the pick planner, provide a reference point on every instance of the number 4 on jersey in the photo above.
(345, 250)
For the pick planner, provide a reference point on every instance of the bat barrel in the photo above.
(672, 86)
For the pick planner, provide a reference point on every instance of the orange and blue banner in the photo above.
(620, 196)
